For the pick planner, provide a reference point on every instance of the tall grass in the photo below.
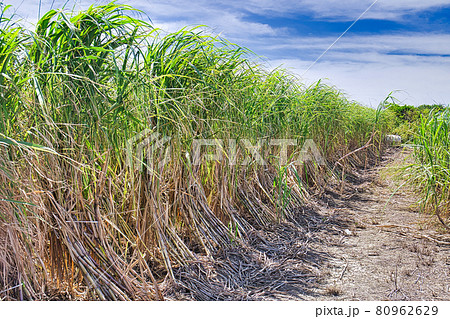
(430, 170)
(75, 217)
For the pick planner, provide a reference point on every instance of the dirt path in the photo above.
(384, 249)
(363, 244)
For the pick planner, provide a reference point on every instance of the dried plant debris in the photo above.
(275, 264)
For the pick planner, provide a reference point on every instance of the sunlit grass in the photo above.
(75, 90)
(430, 170)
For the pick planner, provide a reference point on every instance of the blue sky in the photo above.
(398, 45)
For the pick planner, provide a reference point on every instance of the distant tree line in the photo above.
(408, 116)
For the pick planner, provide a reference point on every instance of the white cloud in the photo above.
(406, 43)
(169, 15)
(367, 68)
(418, 81)
(203, 9)
(343, 9)
(220, 19)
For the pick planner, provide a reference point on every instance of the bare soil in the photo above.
(390, 250)
(364, 240)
